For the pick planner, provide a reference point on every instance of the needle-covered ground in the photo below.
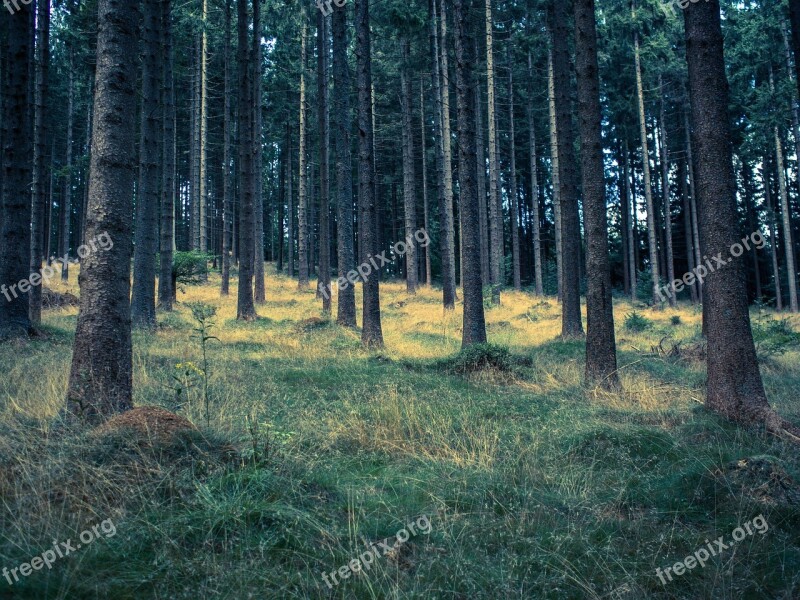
(315, 449)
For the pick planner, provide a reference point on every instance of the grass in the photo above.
(534, 486)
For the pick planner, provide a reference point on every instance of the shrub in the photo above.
(189, 268)
(774, 336)
(479, 357)
(636, 323)
(675, 320)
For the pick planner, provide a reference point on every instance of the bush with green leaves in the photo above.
(774, 337)
(189, 268)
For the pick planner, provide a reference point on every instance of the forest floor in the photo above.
(533, 486)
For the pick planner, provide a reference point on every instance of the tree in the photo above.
(474, 328)
(342, 121)
(496, 254)
(571, 325)
(167, 241)
(66, 206)
(734, 388)
(665, 190)
(324, 143)
(16, 176)
(648, 189)
(245, 309)
(100, 374)
(39, 196)
(535, 217)
(409, 183)
(371, 332)
(512, 191)
(601, 354)
(259, 293)
(203, 141)
(302, 200)
(227, 200)
(143, 301)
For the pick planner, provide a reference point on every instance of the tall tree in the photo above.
(100, 375)
(571, 325)
(535, 217)
(202, 173)
(601, 354)
(227, 200)
(648, 188)
(371, 332)
(15, 184)
(512, 166)
(554, 170)
(409, 178)
(302, 200)
(665, 191)
(474, 328)
(259, 292)
(428, 270)
(496, 254)
(65, 215)
(245, 308)
(143, 300)
(167, 240)
(734, 387)
(324, 144)
(342, 122)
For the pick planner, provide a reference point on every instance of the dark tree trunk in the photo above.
(535, 218)
(168, 189)
(143, 301)
(512, 165)
(480, 154)
(302, 181)
(474, 328)
(687, 220)
(227, 200)
(100, 375)
(496, 254)
(409, 178)
(371, 333)
(735, 389)
(324, 275)
(17, 173)
(346, 303)
(245, 308)
(425, 209)
(601, 354)
(65, 212)
(571, 325)
(668, 252)
(258, 166)
(39, 196)
(289, 204)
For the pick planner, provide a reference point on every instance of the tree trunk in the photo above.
(425, 209)
(632, 243)
(227, 200)
(168, 178)
(290, 204)
(665, 191)
(100, 375)
(342, 122)
(446, 222)
(302, 220)
(17, 159)
(648, 190)
(551, 97)
(259, 292)
(773, 237)
(752, 220)
(513, 204)
(734, 386)
(39, 195)
(687, 220)
(143, 301)
(371, 333)
(324, 275)
(245, 308)
(474, 325)
(693, 202)
(65, 214)
(495, 214)
(409, 176)
(535, 218)
(601, 354)
(481, 180)
(203, 130)
(571, 325)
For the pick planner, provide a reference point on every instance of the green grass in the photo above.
(534, 486)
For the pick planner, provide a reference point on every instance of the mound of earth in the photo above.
(149, 424)
(53, 299)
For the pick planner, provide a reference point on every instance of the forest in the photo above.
(548, 348)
